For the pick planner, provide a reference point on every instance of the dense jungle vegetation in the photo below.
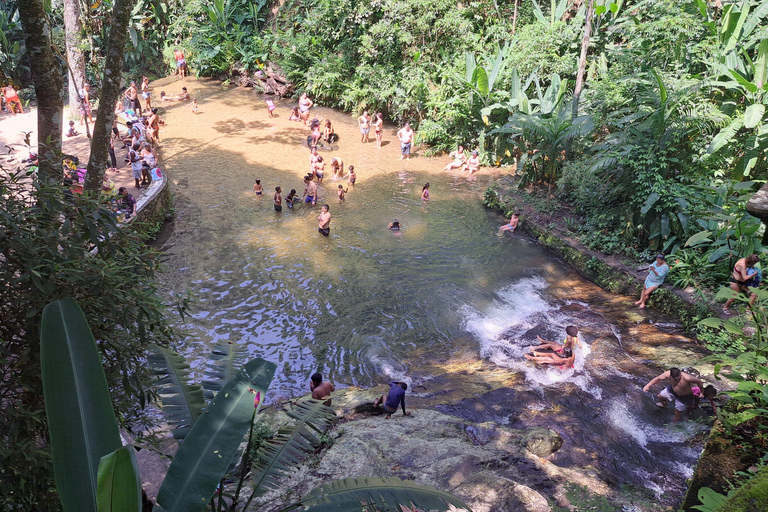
(660, 151)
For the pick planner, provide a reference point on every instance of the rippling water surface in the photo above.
(367, 303)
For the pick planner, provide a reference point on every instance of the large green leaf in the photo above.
(725, 135)
(480, 79)
(183, 403)
(226, 360)
(119, 488)
(761, 64)
(211, 445)
(753, 115)
(281, 455)
(81, 421)
(701, 236)
(383, 493)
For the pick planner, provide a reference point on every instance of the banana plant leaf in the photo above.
(183, 403)
(377, 494)
(226, 360)
(81, 421)
(119, 487)
(281, 455)
(212, 442)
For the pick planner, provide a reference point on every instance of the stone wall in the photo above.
(153, 206)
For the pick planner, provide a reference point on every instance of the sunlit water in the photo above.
(367, 303)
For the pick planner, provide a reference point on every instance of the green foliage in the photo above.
(119, 485)
(584, 501)
(12, 53)
(47, 242)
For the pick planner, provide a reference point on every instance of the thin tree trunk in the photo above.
(514, 18)
(583, 57)
(46, 75)
(73, 30)
(111, 85)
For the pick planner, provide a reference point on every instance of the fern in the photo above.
(281, 455)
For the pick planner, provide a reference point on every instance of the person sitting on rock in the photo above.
(395, 397)
(657, 272)
(320, 389)
(126, 203)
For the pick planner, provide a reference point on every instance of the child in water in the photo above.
(425, 193)
(341, 193)
(290, 198)
(257, 188)
(270, 106)
(561, 355)
(352, 175)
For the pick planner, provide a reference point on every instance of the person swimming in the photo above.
(394, 225)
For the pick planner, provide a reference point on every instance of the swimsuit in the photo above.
(278, 208)
(324, 231)
(309, 199)
(304, 105)
(145, 95)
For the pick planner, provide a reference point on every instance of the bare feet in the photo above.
(377, 402)
(389, 416)
(641, 306)
(637, 302)
(726, 311)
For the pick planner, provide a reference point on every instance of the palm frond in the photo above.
(281, 455)
(182, 402)
(225, 362)
(376, 494)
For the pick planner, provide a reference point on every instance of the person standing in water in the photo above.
(425, 193)
(278, 200)
(324, 219)
(365, 126)
(678, 390)
(378, 128)
(405, 134)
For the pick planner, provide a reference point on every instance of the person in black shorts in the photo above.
(324, 228)
(278, 200)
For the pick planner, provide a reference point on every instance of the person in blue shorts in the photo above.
(395, 397)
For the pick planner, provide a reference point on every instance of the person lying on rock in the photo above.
(678, 390)
(566, 349)
(553, 359)
(320, 389)
(395, 397)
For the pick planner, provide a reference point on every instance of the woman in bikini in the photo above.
(378, 128)
(561, 355)
(739, 278)
(304, 105)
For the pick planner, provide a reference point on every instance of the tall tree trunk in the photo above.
(583, 57)
(111, 85)
(514, 18)
(46, 75)
(73, 30)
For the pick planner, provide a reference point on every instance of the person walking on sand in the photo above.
(378, 127)
(395, 397)
(739, 278)
(365, 126)
(657, 271)
(85, 104)
(324, 219)
(405, 134)
(320, 389)
(181, 63)
(678, 390)
(511, 226)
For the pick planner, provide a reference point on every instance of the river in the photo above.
(366, 303)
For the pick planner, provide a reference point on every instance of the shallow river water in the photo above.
(366, 304)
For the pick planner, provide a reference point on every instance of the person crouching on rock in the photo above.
(395, 397)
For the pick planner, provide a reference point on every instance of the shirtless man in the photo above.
(310, 191)
(324, 228)
(739, 278)
(184, 96)
(512, 226)
(321, 389)
(405, 134)
(678, 390)
(473, 164)
(132, 94)
(365, 126)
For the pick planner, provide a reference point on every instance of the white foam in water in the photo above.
(521, 307)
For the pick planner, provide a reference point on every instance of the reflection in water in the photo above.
(366, 304)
